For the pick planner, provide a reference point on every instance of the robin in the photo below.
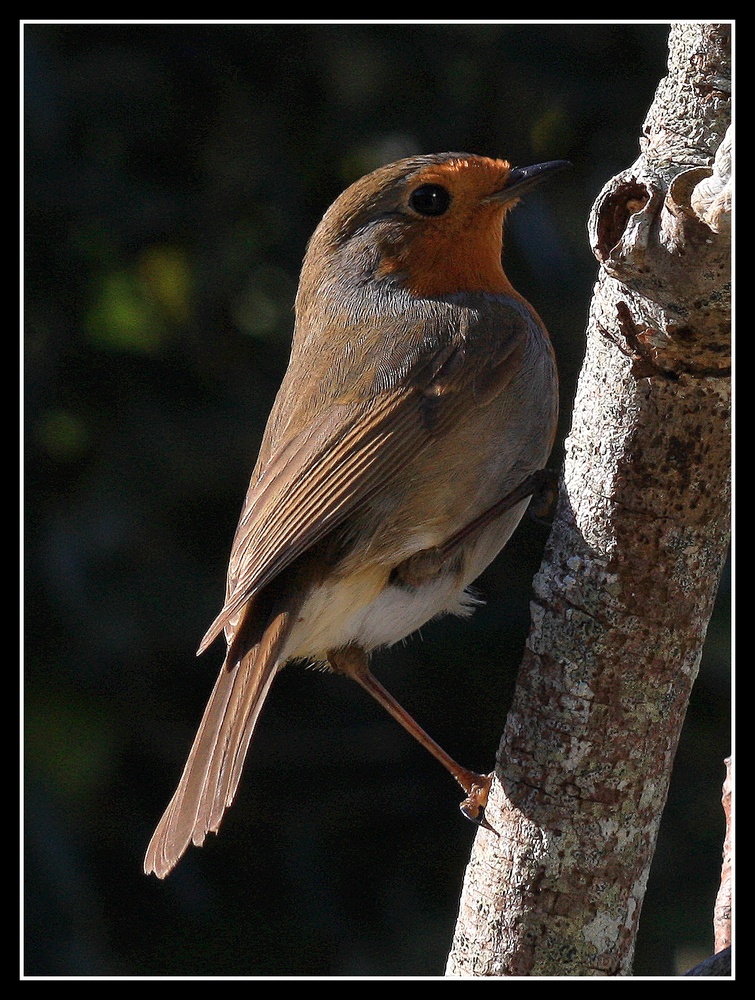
(419, 405)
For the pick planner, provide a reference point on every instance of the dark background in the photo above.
(173, 174)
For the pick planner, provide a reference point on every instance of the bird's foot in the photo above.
(473, 806)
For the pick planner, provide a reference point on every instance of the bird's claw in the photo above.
(473, 806)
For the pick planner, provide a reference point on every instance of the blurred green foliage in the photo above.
(173, 174)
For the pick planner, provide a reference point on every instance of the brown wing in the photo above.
(315, 479)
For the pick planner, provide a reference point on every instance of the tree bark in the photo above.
(722, 911)
(628, 580)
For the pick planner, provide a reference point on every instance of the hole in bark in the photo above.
(622, 203)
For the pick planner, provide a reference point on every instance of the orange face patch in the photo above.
(460, 250)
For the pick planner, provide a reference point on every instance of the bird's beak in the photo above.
(523, 179)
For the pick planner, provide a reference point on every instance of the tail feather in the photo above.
(212, 772)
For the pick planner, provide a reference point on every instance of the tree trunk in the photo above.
(722, 910)
(624, 594)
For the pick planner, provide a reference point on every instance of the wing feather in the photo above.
(346, 453)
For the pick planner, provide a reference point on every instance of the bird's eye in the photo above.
(430, 199)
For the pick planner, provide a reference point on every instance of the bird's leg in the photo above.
(540, 483)
(424, 566)
(353, 661)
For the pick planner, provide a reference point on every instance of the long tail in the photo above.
(211, 776)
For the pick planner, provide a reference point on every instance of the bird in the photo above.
(418, 410)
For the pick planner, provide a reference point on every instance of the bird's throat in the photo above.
(444, 260)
